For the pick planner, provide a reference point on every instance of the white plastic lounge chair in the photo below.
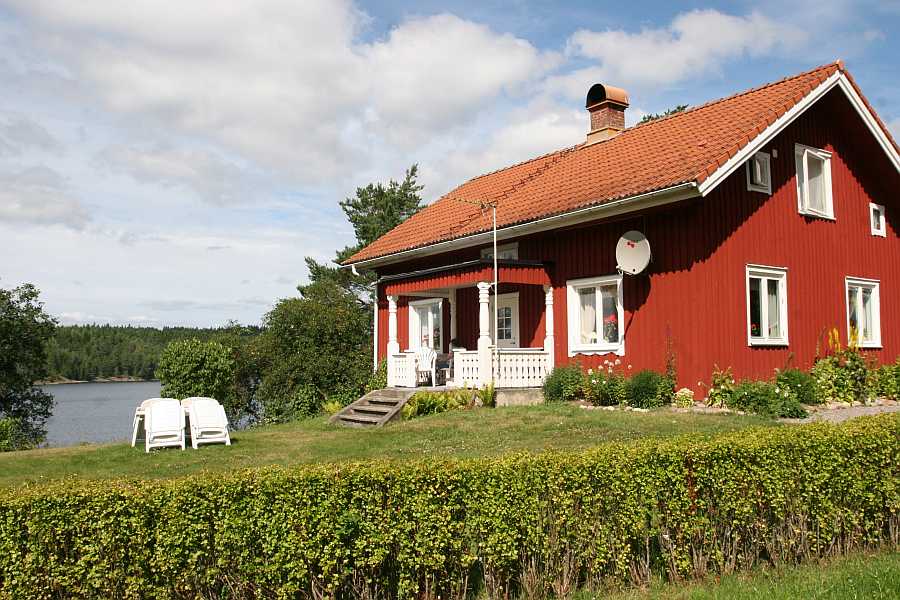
(139, 416)
(426, 360)
(164, 422)
(209, 424)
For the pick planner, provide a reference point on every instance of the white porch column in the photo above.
(485, 360)
(549, 333)
(451, 298)
(393, 346)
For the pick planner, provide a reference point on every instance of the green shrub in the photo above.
(721, 387)
(332, 407)
(564, 384)
(841, 377)
(884, 382)
(606, 388)
(287, 402)
(432, 403)
(193, 368)
(11, 435)
(622, 512)
(487, 395)
(684, 398)
(649, 389)
(800, 384)
(378, 379)
(764, 398)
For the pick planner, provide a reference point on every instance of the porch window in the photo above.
(595, 315)
(864, 312)
(426, 327)
(813, 181)
(766, 306)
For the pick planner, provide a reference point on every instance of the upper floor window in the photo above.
(595, 315)
(766, 306)
(876, 219)
(759, 177)
(864, 312)
(814, 181)
(504, 252)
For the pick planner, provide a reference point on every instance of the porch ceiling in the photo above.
(466, 274)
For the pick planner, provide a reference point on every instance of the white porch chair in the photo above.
(139, 419)
(208, 422)
(164, 424)
(426, 362)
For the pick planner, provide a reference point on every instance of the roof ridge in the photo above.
(839, 63)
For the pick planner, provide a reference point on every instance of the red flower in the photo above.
(611, 319)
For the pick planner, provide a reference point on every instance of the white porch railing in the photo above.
(402, 370)
(521, 367)
(465, 368)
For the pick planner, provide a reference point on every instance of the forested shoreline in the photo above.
(113, 352)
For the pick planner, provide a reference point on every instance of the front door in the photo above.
(506, 330)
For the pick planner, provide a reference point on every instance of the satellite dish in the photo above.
(633, 252)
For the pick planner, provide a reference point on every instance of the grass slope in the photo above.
(869, 576)
(483, 432)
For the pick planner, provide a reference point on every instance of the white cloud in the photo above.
(19, 133)
(694, 45)
(39, 195)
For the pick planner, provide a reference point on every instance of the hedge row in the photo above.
(534, 525)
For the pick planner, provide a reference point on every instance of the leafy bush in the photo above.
(884, 382)
(487, 395)
(283, 401)
(11, 435)
(649, 389)
(684, 398)
(564, 384)
(193, 368)
(764, 398)
(332, 407)
(606, 389)
(721, 387)
(623, 512)
(800, 384)
(378, 379)
(431, 403)
(841, 377)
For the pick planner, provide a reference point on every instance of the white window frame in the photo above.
(875, 286)
(504, 252)
(800, 153)
(574, 318)
(766, 160)
(414, 341)
(881, 230)
(765, 273)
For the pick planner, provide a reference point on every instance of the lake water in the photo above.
(95, 412)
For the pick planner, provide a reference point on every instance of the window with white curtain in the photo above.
(759, 177)
(426, 327)
(595, 315)
(864, 311)
(766, 306)
(876, 220)
(813, 181)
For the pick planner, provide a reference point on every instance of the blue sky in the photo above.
(166, 162)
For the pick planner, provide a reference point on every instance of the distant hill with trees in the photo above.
(91, 352)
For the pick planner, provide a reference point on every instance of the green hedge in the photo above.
(531, 524)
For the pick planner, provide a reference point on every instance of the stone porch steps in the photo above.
(374, 409)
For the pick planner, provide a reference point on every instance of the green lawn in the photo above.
(861, 576)
(481, 432)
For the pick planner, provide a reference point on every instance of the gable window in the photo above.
(596, 315)
(876, 220)
(759, 177)
(864, 312)
(504, 252)
(814, 181)
(426, 327)
(766, 306)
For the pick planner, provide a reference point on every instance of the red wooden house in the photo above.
(772, 215)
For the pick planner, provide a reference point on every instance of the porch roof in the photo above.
(466, 274)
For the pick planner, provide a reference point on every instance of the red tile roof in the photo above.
(682, 148)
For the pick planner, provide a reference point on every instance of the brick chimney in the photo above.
(606, 105)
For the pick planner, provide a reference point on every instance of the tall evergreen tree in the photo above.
(373, 211)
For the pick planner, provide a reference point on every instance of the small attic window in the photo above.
(759, 174)
(876, 218)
